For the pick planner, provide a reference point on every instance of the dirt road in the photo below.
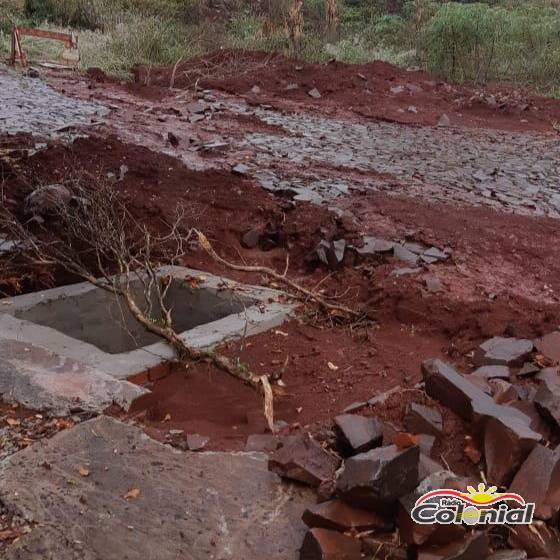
(307, 169)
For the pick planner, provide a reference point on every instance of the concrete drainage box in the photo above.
(91, 326)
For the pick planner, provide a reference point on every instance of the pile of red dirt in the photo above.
(207, 401)
(223, 205)
(375, 90)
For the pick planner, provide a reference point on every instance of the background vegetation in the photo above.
(506, 40)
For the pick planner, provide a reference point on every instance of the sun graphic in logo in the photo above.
(482, 495)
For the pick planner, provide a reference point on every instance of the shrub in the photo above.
(480, 42)
(390, 31)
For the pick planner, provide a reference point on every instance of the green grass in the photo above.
(511, 40)
(478, 42)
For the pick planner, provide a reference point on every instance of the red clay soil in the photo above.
(222, 205)
(413, 325)
(365, 90)
(205, 401)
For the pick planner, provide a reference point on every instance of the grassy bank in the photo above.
(517, 41)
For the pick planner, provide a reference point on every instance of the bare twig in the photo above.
(92, 235)
(282, 278)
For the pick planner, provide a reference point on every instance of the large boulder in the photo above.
(104, 490)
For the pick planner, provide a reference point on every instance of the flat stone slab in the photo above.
(42, 380)
(191, 506)
(30, 105)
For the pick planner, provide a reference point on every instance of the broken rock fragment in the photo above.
(507, 443)
(304, 460)
(502, 351)
(538, 540)
(240, 169)
(416, 534)
(547, 398)
(492, 372)
(503, 392)
(538, 481)
(336, 515)
(472, 547)
(373, 245)
(197, 107)
(456, 392)
(421, 419)
(315, 93)
(47, 199)
(537, 422)
(332, 253)
(358, 433)
(385, 546)
(549, 346)
(404, 254)
(509, 555)
(376, 479)
(251, 239)
(321, 544)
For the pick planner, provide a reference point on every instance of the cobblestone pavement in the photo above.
(318, 158)
(512, 172)
(29, 105)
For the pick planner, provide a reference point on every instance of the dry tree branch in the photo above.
(91, 235)
(282, 278)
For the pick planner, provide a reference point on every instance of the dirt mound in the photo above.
(223, 205)
(376, 90)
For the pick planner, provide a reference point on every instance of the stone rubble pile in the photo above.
(368, 475)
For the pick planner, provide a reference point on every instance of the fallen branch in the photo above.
(94, 232)
(282, 278)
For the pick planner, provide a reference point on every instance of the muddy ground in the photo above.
(373, 151)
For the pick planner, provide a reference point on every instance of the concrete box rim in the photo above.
(268, 312)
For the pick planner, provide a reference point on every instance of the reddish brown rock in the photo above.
(358, 433)
(421, 419)
(416, 534)
(472, 547)
(503, 392)
(384, 547)
(507, 443)
(377, 479)
(321, 544)
(500, 351)
(538, 424)
(404, 440)
(539, 540)
(304, 460)
(339, 516)
(538, 481)
(453, 390)
(472, 450)
(251, 239)
(547, 398)
(549, 346)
